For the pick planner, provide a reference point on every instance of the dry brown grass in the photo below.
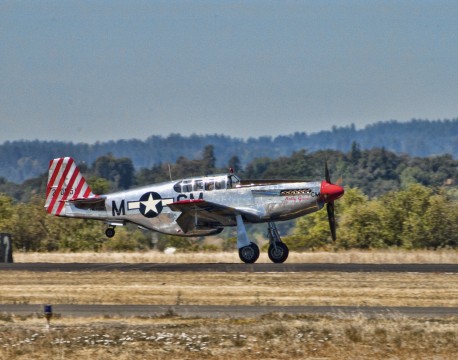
(273, 336)
(352, 289)
(352, 256)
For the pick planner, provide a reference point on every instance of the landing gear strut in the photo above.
(278, 251)
(248, 251)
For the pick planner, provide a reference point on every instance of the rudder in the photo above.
(65, 182)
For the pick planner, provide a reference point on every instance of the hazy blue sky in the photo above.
(101, 70)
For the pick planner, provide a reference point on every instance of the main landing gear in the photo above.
(278, 251)
(249, 252)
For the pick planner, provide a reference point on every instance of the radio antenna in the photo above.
(170, 172)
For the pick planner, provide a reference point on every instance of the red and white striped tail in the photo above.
(65, 182)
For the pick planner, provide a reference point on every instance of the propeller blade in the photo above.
(332, 219)
(327, 176)
(329, 193)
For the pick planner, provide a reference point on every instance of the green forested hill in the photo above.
(22, 160)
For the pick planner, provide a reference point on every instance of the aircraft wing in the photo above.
(197, 213)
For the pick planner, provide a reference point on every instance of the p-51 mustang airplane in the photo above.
(195, 206)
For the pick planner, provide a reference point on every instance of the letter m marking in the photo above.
(118, 211)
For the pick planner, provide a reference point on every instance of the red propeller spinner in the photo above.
(330, 192)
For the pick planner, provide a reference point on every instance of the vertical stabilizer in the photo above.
(65, 182)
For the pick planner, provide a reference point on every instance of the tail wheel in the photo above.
(110, 232)
(249, 254)
(278, 252)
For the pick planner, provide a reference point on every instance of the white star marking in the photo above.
(151, 204)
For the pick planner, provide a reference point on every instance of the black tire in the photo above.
(249, 254)
(110, 232)
(278, 253)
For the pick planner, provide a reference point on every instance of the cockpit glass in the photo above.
(209, 184)
(198, 185)
(220, 184)
(187, 186)
(233, 181)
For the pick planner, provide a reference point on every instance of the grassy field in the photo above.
(273, 336)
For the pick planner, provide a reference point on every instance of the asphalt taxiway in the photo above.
(230, 267)
(223, 311)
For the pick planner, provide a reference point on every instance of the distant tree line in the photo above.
(375, 171)
(391, 201)
(22, 160)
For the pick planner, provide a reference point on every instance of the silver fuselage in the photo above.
(256, 201)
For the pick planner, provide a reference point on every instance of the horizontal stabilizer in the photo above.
(95, 203)
(90, 200)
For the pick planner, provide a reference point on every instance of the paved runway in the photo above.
(231, 267)
(218, 311)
